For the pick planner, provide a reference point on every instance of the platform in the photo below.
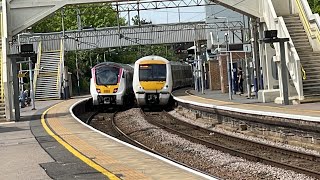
(105, 154)
(21, 155)
(51, 143)
(218, 100)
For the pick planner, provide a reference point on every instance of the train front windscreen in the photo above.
(152, 72)
(106, 75)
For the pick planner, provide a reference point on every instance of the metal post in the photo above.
(248, 76)
(284, 73)
(256, 58)
(228, 67)
(90, 60)
(77, 68)
(21, 79)
(31, 85)
(118, 21)
(79, 20)
(229, 77)
(179, 14)
(77, 44)
(232, 72)
(195, 70)
(62, 22)
(128, 17)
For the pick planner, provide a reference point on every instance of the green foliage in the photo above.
(94, 15)
(314, 5)
(127, 55)
(97, 15)
(137, 21)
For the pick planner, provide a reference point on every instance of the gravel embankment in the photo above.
(209, 126)
(211, 161)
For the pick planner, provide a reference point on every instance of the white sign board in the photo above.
(247, 47)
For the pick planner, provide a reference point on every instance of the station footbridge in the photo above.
(292, 19)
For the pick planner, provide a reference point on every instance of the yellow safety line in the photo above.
(253, 105)
(74, 151)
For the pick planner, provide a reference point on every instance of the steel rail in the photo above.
(239, 152)
(130, 140)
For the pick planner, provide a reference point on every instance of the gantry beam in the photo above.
(24, 13)
(127, 36)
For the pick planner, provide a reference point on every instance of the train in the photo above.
(155, 77)
(111, 84)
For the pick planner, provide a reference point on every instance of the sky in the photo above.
(163, 16)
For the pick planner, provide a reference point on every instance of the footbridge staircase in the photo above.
(49, 73)
(294, 20)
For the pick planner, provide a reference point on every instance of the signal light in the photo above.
(115, 90)
(98, 90)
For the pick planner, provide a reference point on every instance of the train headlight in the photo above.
(115, 90)
(98, 90)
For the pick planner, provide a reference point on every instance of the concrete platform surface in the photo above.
(21, 154)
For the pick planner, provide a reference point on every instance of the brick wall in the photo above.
(218, 71)
(223, 74)
(214, 72)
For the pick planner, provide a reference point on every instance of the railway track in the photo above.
(292, 160)
(106, 122)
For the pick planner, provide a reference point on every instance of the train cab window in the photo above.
(152, 72)
(107, 75)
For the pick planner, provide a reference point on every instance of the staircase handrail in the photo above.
(303, 5)
(37, 67)
(307, 16)
(292, 57)
(59, 78)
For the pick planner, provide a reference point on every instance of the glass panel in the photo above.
(153, 72)
(107, 75)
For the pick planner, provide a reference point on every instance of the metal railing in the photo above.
(306, 15)
(292, 57)
(37, 67)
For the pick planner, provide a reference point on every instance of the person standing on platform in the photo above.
(240, 80)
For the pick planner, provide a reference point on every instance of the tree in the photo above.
(314, 5)
(98, 15)
(137, 21)
(92, 15)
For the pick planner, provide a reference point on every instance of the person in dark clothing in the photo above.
(240, 80)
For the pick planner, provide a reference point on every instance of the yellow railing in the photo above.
(1, 60)
(304, 74)
(60, 64)
(307, 26)
(304, 18)
(37, 67)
